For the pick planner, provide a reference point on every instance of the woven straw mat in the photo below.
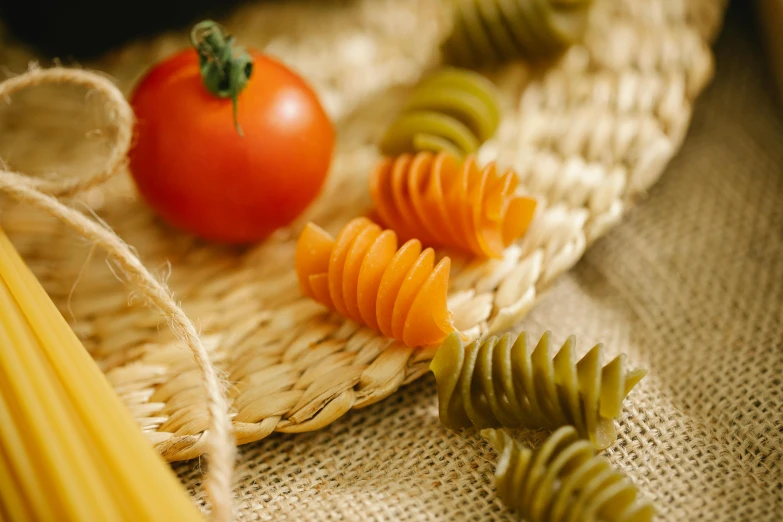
(686, 288)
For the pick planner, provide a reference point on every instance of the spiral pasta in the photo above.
(493, 31)
(453, 110)
(564, 480)
(365, 277)
(434, 198)
(498, 382)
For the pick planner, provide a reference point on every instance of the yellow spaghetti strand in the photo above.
(40, 410)
(69, 449)
(17, 506)
(50, 333)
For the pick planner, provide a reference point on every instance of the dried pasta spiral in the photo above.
(440, 201)
(493, 31)
(365, 277)
(499, 382)
(564, 480)
(453, 110)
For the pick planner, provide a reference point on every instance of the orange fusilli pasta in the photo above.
(444, 202)
(363, 275)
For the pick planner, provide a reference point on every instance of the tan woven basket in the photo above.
(588, 134)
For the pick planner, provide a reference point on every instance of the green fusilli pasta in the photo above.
(493, 31)
(499, 382)
(564, 480)
(452, 110)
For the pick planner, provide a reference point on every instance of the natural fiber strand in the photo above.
(41, 194)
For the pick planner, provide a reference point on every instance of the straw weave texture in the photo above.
(588, 135)
(690, 287)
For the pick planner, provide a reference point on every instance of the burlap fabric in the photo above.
(691, 285)
(690, 288)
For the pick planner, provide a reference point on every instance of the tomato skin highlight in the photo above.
(193, 168)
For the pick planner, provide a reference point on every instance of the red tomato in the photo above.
(198, 173)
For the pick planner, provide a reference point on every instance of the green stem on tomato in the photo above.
(225, 68)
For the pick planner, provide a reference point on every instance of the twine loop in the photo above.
(44, 194)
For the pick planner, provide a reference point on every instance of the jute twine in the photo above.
(43, 194)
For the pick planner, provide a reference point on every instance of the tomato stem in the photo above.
(225, 67)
